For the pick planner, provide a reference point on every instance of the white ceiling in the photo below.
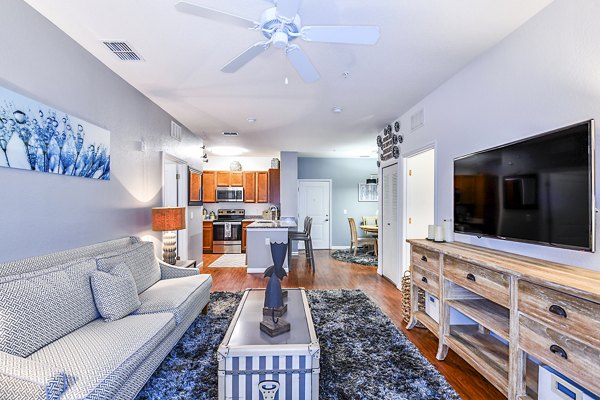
(422, 44)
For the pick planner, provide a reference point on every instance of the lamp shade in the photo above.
(168, 218)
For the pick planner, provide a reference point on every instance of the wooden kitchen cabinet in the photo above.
(209, 188)
(262, 187)
(223, 178)
(207, 236)
(244, 226)
(228, 178)
(249, 184)
(274, 193)
(236, 179)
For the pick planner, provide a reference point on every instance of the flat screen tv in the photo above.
(539, 190)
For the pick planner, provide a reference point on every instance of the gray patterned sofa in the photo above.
(54, 344)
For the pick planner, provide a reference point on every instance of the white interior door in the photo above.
(314, 201)
(420, 197)
(391, 267)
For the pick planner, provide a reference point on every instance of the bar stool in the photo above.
(306, 238)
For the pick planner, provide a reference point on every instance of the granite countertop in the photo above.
(265, 223)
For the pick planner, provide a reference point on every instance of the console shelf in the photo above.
(485, 353)
(487, 313)
(534, 308)
(429, 322)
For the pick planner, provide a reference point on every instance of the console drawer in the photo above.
(426, 259)
(426, 280)
(570, 357)
(485, 282)
(569, 314)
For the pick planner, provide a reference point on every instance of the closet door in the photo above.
(389, 229)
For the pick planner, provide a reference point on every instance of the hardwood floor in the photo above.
(333, 274)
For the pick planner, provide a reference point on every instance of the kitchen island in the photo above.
(259, 236)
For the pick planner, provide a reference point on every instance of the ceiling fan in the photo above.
(281, 25)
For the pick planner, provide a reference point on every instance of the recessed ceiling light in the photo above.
(227, 150)
(251, 120)
(337, 109)
(286, 81)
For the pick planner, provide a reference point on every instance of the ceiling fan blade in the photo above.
(341, 34)
(245, 57)
(215, 15)
(287, 9)
(302, 64)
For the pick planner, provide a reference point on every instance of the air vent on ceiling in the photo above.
(175, 131)
(417, 120)
(123, 50)
(230, 133)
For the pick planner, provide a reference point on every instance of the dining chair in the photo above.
(306, 238)
(356, 241)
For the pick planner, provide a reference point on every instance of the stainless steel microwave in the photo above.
(230, 194)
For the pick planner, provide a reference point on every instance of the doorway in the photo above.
(419, 196)
(389, 243)
(314, 200)
(175, 195)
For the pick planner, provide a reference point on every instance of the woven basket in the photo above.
(406, 299)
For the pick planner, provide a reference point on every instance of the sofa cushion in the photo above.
(115, 292)
(38, 308)
(101, 356)
(62, 257)
(141, 261)
(175, 295)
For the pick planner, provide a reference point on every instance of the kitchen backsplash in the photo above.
(251, 208)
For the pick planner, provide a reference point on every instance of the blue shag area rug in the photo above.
(362, 257)
(363, 355)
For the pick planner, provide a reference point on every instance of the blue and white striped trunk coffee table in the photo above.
(255, 366)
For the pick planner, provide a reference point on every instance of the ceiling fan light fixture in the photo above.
(280, 39)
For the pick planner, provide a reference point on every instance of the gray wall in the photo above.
(541, 77)
(289, 183)
(45, 212)
(346, 174)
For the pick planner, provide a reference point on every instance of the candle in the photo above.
(448, 230)
(439, 234)
(430, 232)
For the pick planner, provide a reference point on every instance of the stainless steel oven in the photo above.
(227, 231)
(230, 194)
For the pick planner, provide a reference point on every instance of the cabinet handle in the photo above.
(558, 310)
(558, 351)
(471, 277)
(423, 258)
(424, 280)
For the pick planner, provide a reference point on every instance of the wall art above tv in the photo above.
(36, 137)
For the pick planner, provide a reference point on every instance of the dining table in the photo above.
(373, 231)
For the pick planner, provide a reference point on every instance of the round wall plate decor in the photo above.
(397, 126)
(396, 152)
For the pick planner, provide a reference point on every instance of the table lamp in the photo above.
(168, 220)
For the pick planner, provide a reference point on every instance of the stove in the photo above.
(227, 231)
(235, 214)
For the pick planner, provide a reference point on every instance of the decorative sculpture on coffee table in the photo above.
(273, 323)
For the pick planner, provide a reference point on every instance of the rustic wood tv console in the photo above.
(533, 307)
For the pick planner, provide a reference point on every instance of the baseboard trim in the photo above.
(340, 247)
